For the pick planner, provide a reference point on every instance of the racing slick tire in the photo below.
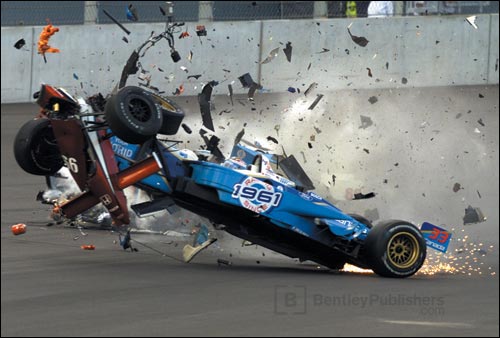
(36, 150)
(133, 115)
(395, 249)
(172, 116)
(362, 219)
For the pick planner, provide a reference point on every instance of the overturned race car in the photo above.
(110, 144)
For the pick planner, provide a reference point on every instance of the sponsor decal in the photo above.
(256, 195)
(436, 237)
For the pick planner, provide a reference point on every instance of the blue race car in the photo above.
(110, 144)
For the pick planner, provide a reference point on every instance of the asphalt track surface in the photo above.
(50, 287)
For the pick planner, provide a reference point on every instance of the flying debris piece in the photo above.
(480, 121)
(223, 262)
(277, 128)
(201, 31)
(271, 56)
(184, 34)
(132, 13)
(372, 99)
(186, 128)
(472, 21)
(333, 179)
(251, 91)
(477, 131)
(318, 98)
(404, 80)
(179, 91)
(20, 44)
(189, 252)
(230, 88)
(194, 76)
(184, 69)
(204, 99)
(246, 80)
(288, 51)
(272, 139)
(309, 144)
(481, 96)
(43, 40)
(360, 196)
(88, 247)
(366, 122)
(126, 241)
(473, 215)
(226, 70)
(75, 76)
(311, 87)
(369, 72)
(309, 67)
(291, 90)
(125, 39)
(116, 21)
(366, 150)
(239, 136)
(359, 40)
(162, 11)
(325, 50)
(456, 187)
(18, 229)
(190, 56)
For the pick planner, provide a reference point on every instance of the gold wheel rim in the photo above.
(403, 250)
(165, 104)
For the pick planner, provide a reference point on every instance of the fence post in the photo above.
(205, 11)
(90, 15)
(320, 9)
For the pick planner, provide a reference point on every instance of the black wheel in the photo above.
(172, 116)
(395, 249)
(133, 115)
(362, 219)
(36, 150)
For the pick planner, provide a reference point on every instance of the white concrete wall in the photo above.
(96, 54)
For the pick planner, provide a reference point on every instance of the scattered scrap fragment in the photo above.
(179, 90)
(43, 41)
(373, 99)
(223, 262)
(404, 80)
(311, 87)
(366, 150)
(288, 51)
(271, 56)
(194, 76)
(272, 139)
(318, 98)
(473, 215)
(360, 196)
(230, 88)
(359, 40)
(369, 72)
(186, 128)
(18, 229)
(116, 21)
(480, 121)
(88, 247)
(456, 187)
(472, 20)
(325, 50)
(366, 122)
(132, 13)
(20, 44)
